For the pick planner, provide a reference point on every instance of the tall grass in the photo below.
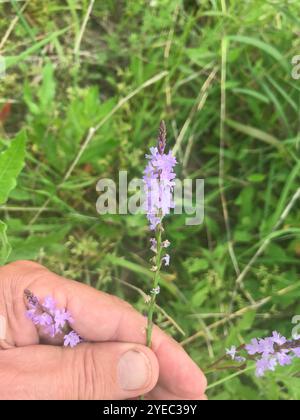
(89, 81)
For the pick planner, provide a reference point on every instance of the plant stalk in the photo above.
(154, 284)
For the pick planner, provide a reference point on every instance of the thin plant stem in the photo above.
(222, 155)
(83, 28)
(155, 284)
(228, 378)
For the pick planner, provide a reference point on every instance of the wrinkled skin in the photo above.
(33, 367)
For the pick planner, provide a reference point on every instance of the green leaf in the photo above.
(5, 248)
(256, 178)
(261, 45)
(11, 164)
(14, 60)
(200, 297)
(253, 93)
(47, 91)
(29, 248)
(256, 133)
(195, 265)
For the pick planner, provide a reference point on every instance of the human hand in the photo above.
(114, 363)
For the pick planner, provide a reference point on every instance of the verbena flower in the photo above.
(268, 352)
(231, 352)
(296, 351)
(52, 320)
(71, 339)
(159, 182)
(166, 259)
(253, 347)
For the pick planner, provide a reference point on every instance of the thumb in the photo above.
(87, 372)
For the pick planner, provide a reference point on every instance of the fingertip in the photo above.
(147, 360)
(179, 374)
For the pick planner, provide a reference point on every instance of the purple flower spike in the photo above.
(159, 181)
(162, 137)
(51, 320)
(268, 352)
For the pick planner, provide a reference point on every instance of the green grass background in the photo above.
(219, 73)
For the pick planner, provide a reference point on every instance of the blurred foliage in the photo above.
(55, 93)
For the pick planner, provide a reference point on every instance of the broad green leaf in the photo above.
(30, 248)
(11, 164)
(5, 248)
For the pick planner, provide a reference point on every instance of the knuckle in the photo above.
(18, 269)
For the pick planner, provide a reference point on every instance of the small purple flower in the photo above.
(296, 351)
(278, 339)
(283, 358)
(71, 339)
(253, 348)
(49, 303)
(261, 367)
(231, 352)
(31, 314)
(51, 330)
(266, 346)
(166, 259)
(264, 364)
(45, 319)
(61, 317)
(153, 245)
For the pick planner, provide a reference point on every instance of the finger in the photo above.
(101, 317)
(90, 372)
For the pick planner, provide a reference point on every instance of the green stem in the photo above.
(155, 284)
(228, 378)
